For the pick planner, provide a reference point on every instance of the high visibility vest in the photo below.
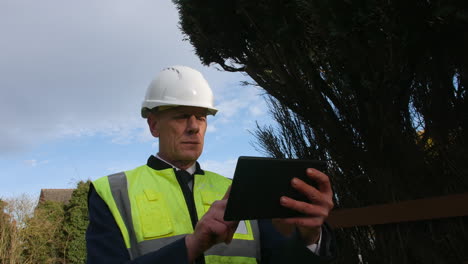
(150, 210)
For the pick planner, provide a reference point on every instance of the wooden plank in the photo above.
(413, 210)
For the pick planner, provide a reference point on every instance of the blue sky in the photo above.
(72, 78)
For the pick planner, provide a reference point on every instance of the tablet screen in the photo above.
(258, 184)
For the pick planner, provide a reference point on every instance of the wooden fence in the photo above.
(414, 210)
(443, 207)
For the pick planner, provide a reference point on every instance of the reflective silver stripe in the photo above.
(118, 186)
(242, 228)
(239, 247)
(256, 234)
(147, 246)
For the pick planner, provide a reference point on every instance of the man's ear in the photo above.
(153, 125)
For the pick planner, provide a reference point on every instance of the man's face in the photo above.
(181, 131)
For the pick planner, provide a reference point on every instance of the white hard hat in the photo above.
(178, 86)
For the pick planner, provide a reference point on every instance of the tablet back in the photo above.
(258, 184)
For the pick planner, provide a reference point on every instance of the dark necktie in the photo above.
(185, 177)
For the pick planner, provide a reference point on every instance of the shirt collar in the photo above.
(190, 170)
(156, 163)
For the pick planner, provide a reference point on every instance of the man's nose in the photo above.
(192, 124)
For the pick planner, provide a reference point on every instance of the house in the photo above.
(56, 195)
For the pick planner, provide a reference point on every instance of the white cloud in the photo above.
(230, 108)
(78, 69)
(112, 170)
(238, 111)
(145, 134)
(81, 69)
(155, 145)
(225, 168)
(211, 128)
(34, 163)
(257, 110)
(116, 169)
(244, 104)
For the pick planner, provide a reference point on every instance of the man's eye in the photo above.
(188, 116)
(182, 116)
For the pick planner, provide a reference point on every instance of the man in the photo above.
(171, 211)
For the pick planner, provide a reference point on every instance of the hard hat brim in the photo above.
(145, 110)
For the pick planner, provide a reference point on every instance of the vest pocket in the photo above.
(154, 216)
(208, 199)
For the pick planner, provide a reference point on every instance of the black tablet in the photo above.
(258, 184)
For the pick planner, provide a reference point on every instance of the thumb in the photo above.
(232, 230)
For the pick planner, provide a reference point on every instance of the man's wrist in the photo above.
(309, 235)
(192, 248)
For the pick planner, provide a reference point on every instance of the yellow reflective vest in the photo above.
(151, 212)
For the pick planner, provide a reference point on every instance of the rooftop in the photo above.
(56, 195)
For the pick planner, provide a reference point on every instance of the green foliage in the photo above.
(376, 87)
(75, 224)
(364, 76)
(54, 233)
(6, 232)
(43, 240)
(14, 213)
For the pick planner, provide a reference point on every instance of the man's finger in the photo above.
(309, 191)
(312, 222)
(304, 208)
(321, 179)
(226, 195)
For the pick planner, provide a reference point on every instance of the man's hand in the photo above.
(210, 230)
(316, 210)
